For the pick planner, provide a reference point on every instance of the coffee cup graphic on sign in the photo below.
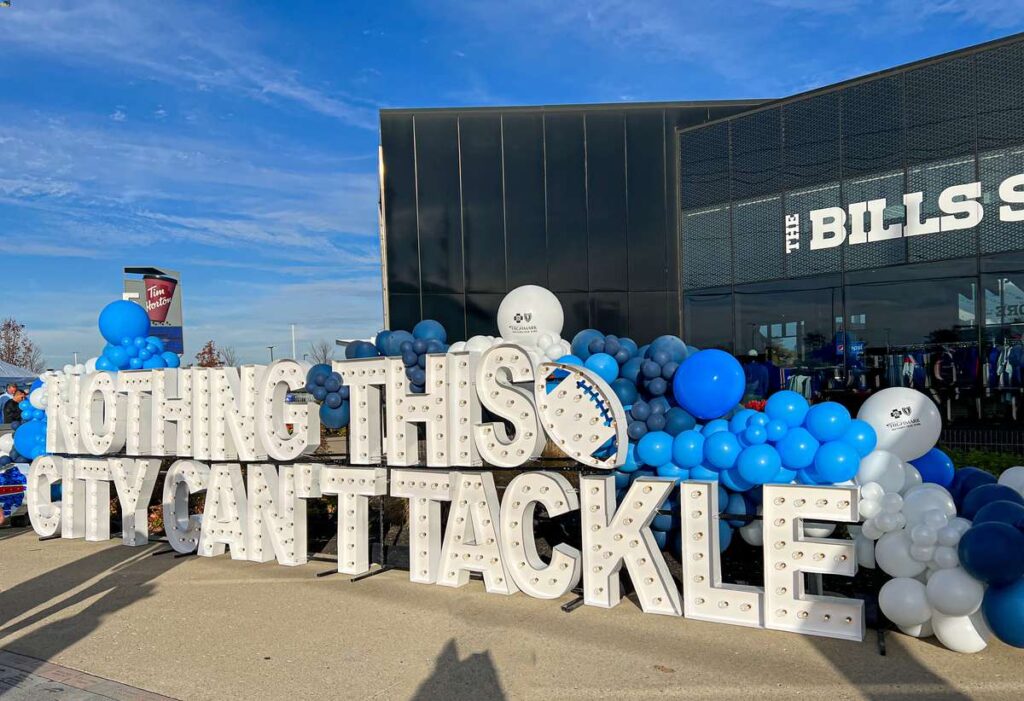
(159, 295)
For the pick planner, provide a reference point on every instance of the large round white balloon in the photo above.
(883, 468)
(6, 443)
(892, 553)
(1014, 478)
(962, 633)
(906, 421)
(527, 312)
(954, 592)
(904, 602)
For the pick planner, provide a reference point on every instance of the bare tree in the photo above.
(321, 352)
(17, 348)
(229, 357)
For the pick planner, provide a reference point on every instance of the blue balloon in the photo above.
(662, 522)
(656, 422)
(428, 329)
(755, 435)
(674, 471)
(419, 346)
(144, 355)
(156, 343)
(35, 385)
(30, 439)
(381, 341)
(581, 342)
(966, 479)
(827, 421)
(636, 430)
(672, 346)
(333, 382)
(661, 539)
(417, 376)
(758, 464)
(677, 421)
(395, 340)
(650, 370)
(603, 365)
(775, 430)
(1002, 511)
(787, 406)
(659, 405)
(123, 318)
(596, 346)
(333, 400)
(797, 449)
(171, 359)
(640, 410)
(154, 362)
(708, 384)
(721, 450)
(986, 494)
(318, 374)
(131, 350)
(655, 448)
(703, 474)
(139, 342)
(688, 449)
(993, 552)
(738, 506)
(417, 388)
(625, 391)
(102, 363)
(628, 345)
(334, 418)
(724, 536)
(836, 461)
(657, 386)
(631, 369)
(319, 393)
(863, 438)
(807, 477)
(783, 476)
(633, 463)
(714, 427)
(117, 357)
(935, 466)
(1004, 612)
(571, 360)
(622, 479)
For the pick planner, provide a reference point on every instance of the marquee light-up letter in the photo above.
(405, 409)
(171, 412)
(63, 430)
(425, 490)
(787, 555)
(529, 572)
(500, 367)
(183, 478)
(354, 487)
(225, 516)
(72, 502)
(275, 413)
(277, 519)
(364, 378)
(233, 413)
(612, 538)
(134, 481)
(137, 385)
(95, 473)
(471, 537)
(101, 418)
(43, 514)
(705, 597)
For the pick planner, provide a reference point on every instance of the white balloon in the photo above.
(527, 312)
(1014, 478)
(954, 592)
(912, 477)
(753, 533)
(922, 553)
(924, 630)
(923, 534)
(966, 634)
(90, 365)
(961, 524)
(865, 549)
(478, 344)
(871, 490)
(79, 369)
(871, 531)
(6, 443)
(882, 467)
(68, 369)
(936, 519)
(946, 557)
(922, 499)
(892, 553)
(904, 601)
(870, 508)
(457, 347)
(814, 529)
(37, 398)
(906, 421)
(887, 521)
(892, 503)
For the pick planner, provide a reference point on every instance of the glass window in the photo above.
(707, 319)
(931, 179)
(1004, 299)
(789, 324)
(882, 186)
(897, 314)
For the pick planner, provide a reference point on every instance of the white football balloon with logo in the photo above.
(528, 312)
(906, 421)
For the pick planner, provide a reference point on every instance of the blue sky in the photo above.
(237, 141)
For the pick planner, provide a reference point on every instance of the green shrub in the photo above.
(988, 460)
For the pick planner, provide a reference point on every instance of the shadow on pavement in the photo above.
(475, 677)
(123, 576)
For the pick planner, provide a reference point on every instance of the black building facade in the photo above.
(580, 200)
(831, 234)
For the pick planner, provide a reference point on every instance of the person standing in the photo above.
(11, 410)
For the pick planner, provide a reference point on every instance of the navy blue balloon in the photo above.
(659, 405)
(318, 374)
(673, 345)
(656, 422)
(409, 358)
(611, 345)
(668, 370)
(967, 478)
(395, 342)
(350, 350)
(428, 329)
(5, 460)
(334, 418)
(1003, 608)
(993, 552)
(625, 391)
(640, 411)
(333, 400)
(319, 393)
(658, 386)
(407, 346)
(986, 494)
(621, 356)
(660, 357)
(418, 376)
(631, 369)
(435, 346)
(650, 369)
(421, 361)
(596, 346)
(123, 318)
(333, 382)
(417, 388)
(935, 466)
(381, 341)
(419, 346)
(709, 383)
(581, 342)
(677, 421)
(636, 430)
(628, 345)
(1002, 511)
(343, 391)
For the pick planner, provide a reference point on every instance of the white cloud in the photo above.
(118, 115)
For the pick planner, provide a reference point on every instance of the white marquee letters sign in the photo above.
(234, 436)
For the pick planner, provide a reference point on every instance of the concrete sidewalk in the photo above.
(198, 628)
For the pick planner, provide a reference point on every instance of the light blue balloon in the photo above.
(123, 318)
(571, 360)
(674, 471)
(118, 357)
(156, 343)
(632, 463)
(787, 406)
(603, 365)
(721, 450)
(775, 430)
(836, 461)
(863, 438)
(688, 449)
(154, 363)
(655, 448)
(703, 474)
(171, 359)
(758, 464)
(715, 426)
(797, 448)
(827, 421)
(738, 423)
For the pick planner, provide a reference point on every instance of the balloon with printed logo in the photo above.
(906, 421)
(529, 311)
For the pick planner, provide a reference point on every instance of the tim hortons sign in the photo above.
(116, 428)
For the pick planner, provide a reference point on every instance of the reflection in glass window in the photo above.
(790, 324)
(917, 312)
(708, 320)
(1004, 298)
